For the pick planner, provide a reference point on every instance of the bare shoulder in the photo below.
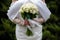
(43, 0)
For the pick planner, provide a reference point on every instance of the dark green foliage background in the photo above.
(51, 29)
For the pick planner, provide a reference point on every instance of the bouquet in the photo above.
(28, 11)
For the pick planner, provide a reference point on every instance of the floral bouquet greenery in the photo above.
(28, 11)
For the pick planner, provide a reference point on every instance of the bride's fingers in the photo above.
(26, 22)
(21, 23)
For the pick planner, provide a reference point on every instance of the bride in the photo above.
(14, 16)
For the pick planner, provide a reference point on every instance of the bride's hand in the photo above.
(40, 20)
(21, 23)
(26, 22)
(18, 21)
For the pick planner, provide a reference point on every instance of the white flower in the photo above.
(26, 10)
(31, 11)
(34, 12)
(21, 11)
(29, 7)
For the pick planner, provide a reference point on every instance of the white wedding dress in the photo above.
(44, 12)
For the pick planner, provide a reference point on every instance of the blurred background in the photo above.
(51, 29)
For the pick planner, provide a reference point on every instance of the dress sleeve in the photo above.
(12, 3)
(13, 10)
(43, 9)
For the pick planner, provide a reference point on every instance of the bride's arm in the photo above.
(18, 21)
(40, 20)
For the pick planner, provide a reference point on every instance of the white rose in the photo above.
(31, 11)
(29, 7)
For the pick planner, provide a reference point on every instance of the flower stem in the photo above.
(28, 32)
